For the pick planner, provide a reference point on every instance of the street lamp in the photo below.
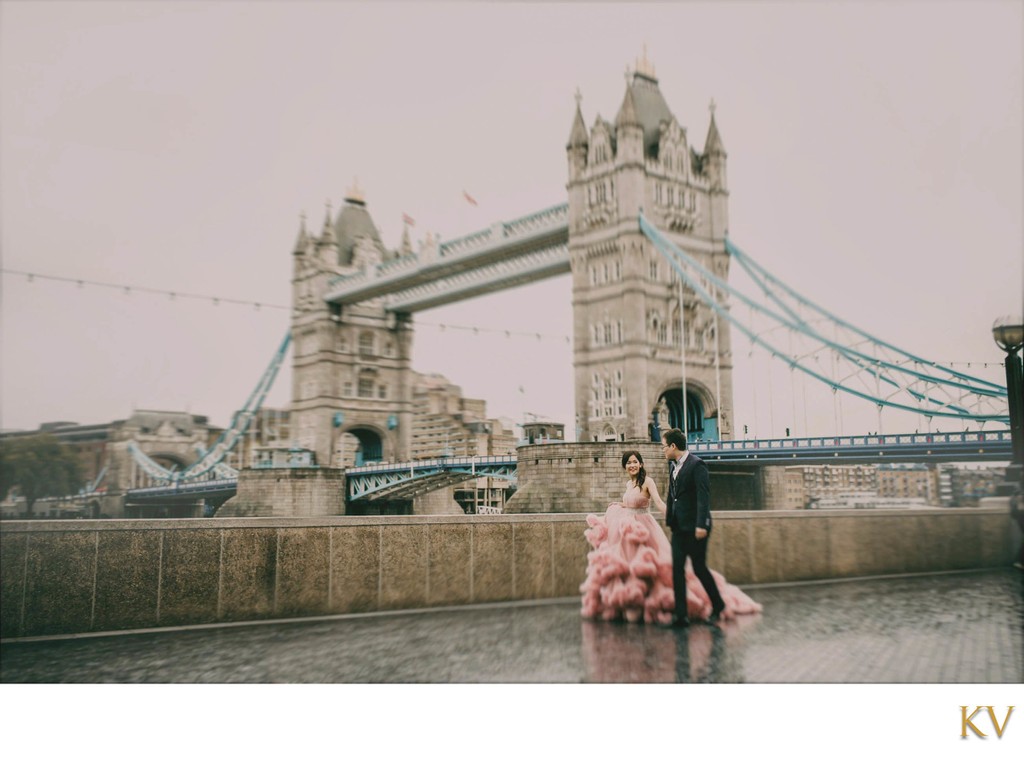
(1008, 333)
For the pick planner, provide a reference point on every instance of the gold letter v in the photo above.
(992, 715)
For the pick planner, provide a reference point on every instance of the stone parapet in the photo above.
(66, 577)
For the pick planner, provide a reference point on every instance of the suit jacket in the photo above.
(689, 497)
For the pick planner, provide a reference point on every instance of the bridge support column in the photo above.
(772, 487)
(440, 502)
(280, 492)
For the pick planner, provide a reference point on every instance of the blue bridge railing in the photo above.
(920, 447)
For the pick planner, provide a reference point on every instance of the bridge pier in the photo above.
(280, 492)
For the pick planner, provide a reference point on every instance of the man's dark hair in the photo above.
(674, 436)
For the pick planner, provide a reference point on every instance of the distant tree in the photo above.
(38, 466)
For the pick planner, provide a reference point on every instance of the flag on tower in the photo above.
(469, 198)
(408, 220)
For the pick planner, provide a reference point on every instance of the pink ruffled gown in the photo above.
(629, 571)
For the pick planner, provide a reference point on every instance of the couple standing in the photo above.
(634, 573)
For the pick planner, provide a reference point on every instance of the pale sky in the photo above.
(875, 165)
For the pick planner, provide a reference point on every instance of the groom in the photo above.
(688, 514)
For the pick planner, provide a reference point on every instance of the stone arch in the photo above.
(358, 445)
(701, 410)
(608, 433)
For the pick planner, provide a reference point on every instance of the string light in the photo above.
(443, 326)
(127, 290)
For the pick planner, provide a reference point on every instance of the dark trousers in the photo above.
(685, 544)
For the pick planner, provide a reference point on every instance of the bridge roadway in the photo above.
(406, 480)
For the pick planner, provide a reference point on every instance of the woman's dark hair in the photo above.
(640, 474)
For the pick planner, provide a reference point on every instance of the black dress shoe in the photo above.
(714, 618)
(680, 622)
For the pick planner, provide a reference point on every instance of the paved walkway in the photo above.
(952, 628)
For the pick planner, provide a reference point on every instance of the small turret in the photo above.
(578, 142)
(629, 132)
(302, 240)
(627, 112)
(405, 248)
(578, 135)
(714, 154)
(327, 244)
(327, 236)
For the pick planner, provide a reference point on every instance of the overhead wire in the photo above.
(218, 300)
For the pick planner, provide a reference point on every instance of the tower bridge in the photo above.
(643, 235)
(635, 323)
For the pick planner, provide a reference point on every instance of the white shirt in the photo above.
(679, 463)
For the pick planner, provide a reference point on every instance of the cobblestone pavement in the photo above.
(953, 628)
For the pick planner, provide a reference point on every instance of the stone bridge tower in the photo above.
(351, 378)
(629, 325)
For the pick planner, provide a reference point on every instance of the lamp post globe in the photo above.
(1008, 333)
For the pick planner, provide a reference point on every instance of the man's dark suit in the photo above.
(689, 508)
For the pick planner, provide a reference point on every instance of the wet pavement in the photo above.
(950, 628)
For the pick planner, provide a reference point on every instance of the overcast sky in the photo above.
(875, 164)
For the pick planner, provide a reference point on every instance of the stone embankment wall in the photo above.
(63, 577)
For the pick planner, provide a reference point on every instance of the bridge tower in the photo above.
(630, 333)
(351, 366)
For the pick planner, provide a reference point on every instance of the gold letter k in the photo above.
(965, 721)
